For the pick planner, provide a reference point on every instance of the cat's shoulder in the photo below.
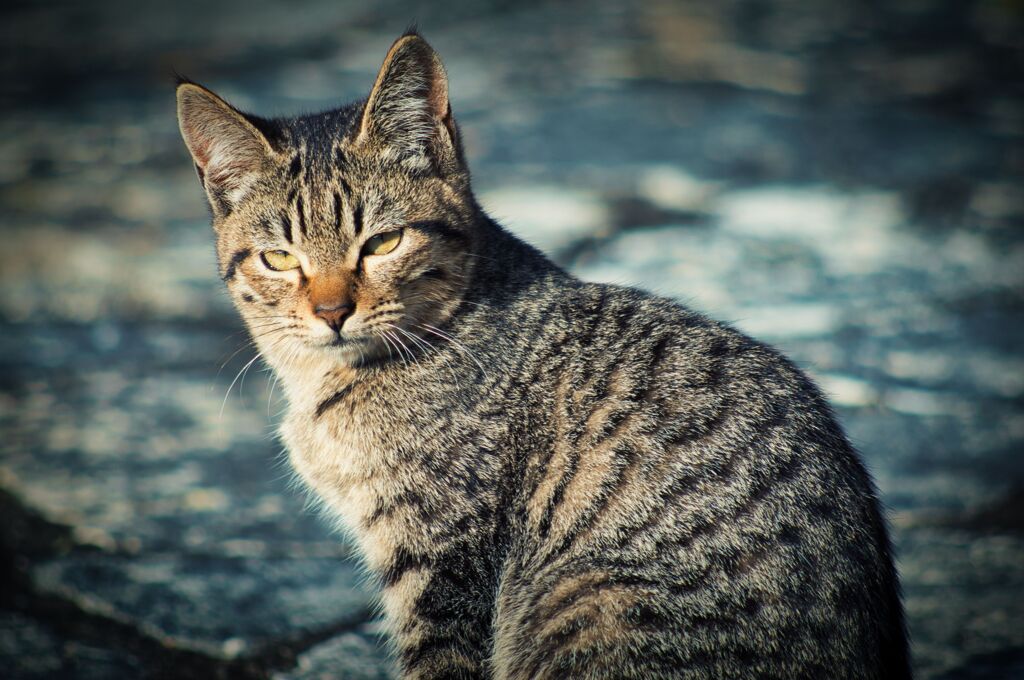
(639, 313)
(689, 339)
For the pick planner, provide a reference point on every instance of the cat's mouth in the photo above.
(349, 350)
(343, 341)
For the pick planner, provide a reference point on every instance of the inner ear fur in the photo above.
(229, 151)
(408, 112)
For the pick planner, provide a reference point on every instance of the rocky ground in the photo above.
(843, 182)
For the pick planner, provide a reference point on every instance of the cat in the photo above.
(548, 478)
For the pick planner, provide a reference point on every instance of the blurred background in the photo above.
(842, 179)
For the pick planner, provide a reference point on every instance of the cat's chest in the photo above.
(366, 466)
(339, 460)
(350, 452)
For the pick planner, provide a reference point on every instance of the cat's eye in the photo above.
(382, 244)
(280, 260)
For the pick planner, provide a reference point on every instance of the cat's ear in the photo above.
(229, 152)
(407, 115)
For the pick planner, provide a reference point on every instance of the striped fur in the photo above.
(549, 478)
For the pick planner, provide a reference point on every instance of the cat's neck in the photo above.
(507, 273)
(303, 375)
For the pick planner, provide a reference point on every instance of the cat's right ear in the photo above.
(229, 152)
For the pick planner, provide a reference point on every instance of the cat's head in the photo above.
(340, 233)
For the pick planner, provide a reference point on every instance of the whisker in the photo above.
(398, 346)
(423, 342)
(399, 340)
(458, 345)
(412, 336)
(380, 335)
(228, 393)
(270, 396)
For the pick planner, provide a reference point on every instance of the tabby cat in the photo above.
(549, 478)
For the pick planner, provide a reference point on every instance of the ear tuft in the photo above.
(180, 80)
(229, 152)
(407, 113)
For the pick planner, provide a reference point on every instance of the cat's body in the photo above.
(549, 478)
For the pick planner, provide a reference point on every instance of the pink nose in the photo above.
(334, 314)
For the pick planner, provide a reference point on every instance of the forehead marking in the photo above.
(286, 225)
(236, 259)
(302, 216)
(345, 188)
(337, 211)
(357, 218)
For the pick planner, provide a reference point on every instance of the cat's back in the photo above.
(691, 504)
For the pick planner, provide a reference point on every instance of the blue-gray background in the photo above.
(843, 179)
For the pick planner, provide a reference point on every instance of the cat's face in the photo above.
(344, 235)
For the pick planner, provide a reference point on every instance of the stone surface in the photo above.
(358, 655)
(963, 596)
(219, 606)
(843, 181)
(29, 650)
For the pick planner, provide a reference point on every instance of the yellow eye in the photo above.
(382, 244)
(280, 260)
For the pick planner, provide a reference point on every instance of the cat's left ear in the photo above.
(407, 114)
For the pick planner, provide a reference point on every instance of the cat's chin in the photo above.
(351, 351)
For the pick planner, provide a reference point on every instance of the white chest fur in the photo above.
(334, 462)
(346, 469)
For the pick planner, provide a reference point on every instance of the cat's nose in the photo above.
(334, 313)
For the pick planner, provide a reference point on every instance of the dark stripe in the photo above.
(535, 473)
(296, 166)
(345, 187)
(404, 499)
(286, 224)
(402, 562)
(441, 230)
(337, 211)
(236, 259)
(596, 314)
(334, 399)
(724, 473)
(435, 273)
(266, 224)
(649, 383)
(433, 645)
(302, 216)
(552, 658)
(342, 158)
(414, 656)
(575, 452)
(549, 610)
(436, 644)
(357, 219)
(457, 582)
(624, 460)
